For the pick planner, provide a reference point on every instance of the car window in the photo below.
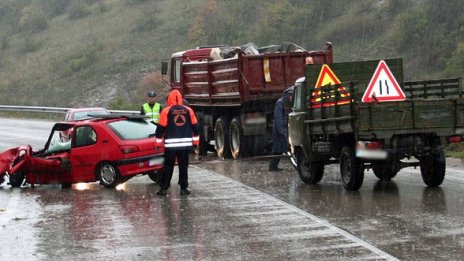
(85, 136)
(132, 130)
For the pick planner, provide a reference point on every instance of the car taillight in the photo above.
(128, 148)
(455, 139)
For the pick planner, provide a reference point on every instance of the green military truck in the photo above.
(363, 116)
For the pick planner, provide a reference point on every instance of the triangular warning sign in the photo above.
(327, 76)
(383, 86)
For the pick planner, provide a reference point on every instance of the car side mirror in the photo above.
(164, 68)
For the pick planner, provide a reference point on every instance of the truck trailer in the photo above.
(233, 90)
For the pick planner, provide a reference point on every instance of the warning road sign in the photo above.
(383, 86)
(326, 77)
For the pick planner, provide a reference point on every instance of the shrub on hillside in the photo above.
(32, 19)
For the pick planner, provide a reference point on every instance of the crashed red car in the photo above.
(110, 149)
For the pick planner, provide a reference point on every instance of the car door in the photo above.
(85, 153)
(51, 164)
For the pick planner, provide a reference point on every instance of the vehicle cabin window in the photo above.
(297, 98)
(132, 130)
(85, 136)
(176, 71)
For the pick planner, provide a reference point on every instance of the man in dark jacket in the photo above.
(280, 128)
(178, 131)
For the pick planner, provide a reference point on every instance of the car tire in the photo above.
(155, 175)
(108, 174)
(17, 179)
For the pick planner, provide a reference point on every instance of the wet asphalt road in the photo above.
(237, 211)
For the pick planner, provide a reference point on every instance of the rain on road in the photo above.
(237, 211)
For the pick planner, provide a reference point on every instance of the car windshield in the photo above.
(81, 115)
(132, 130)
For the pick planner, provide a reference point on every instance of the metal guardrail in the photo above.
(57, 110)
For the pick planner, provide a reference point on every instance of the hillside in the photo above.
(107, 53)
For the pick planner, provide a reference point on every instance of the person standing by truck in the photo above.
(151, 108)
(178, 131)
(280, 128)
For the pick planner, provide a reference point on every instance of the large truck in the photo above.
(233, 91)
(363, 116)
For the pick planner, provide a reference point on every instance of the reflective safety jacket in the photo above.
(152, 112)
(177, 126)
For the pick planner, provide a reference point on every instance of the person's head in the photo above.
(174, 98)
(151, 97)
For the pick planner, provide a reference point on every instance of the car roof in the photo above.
(109, 117)
(87, 109)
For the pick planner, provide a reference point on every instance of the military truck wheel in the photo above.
(17, 179)
(433, 168)
(108, 174)
(236, 141)
(221, 137)
(310, 172)
(384, 171)
(351, 169)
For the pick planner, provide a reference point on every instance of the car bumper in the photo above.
(134, 166)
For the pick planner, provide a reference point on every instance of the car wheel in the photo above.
(66, 185)
(310, 172)
(109, 175)
(17, 179)
(351, 169)
(433, 168)
(155, 175)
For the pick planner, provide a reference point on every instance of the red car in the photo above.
(110, 149)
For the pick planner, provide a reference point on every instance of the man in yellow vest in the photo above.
(151, 109)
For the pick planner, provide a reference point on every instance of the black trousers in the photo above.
(169, 162)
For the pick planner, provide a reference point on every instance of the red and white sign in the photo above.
(383, 86)
(327, 76)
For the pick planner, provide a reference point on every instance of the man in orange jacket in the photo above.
(178, 131)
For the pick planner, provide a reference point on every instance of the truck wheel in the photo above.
(109, 175)
(351, 170)
(17, 179)
(433, 168)
(237, 141)
(221, 138)
(310, 172)
(384, 171)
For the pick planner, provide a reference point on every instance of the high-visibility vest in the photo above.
(152, 113)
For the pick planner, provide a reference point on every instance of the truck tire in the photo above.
(202, 149)
(384, 171)
(351, 169)
(433, 168)
(221, 137)
(310, 172)
(236, 141)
